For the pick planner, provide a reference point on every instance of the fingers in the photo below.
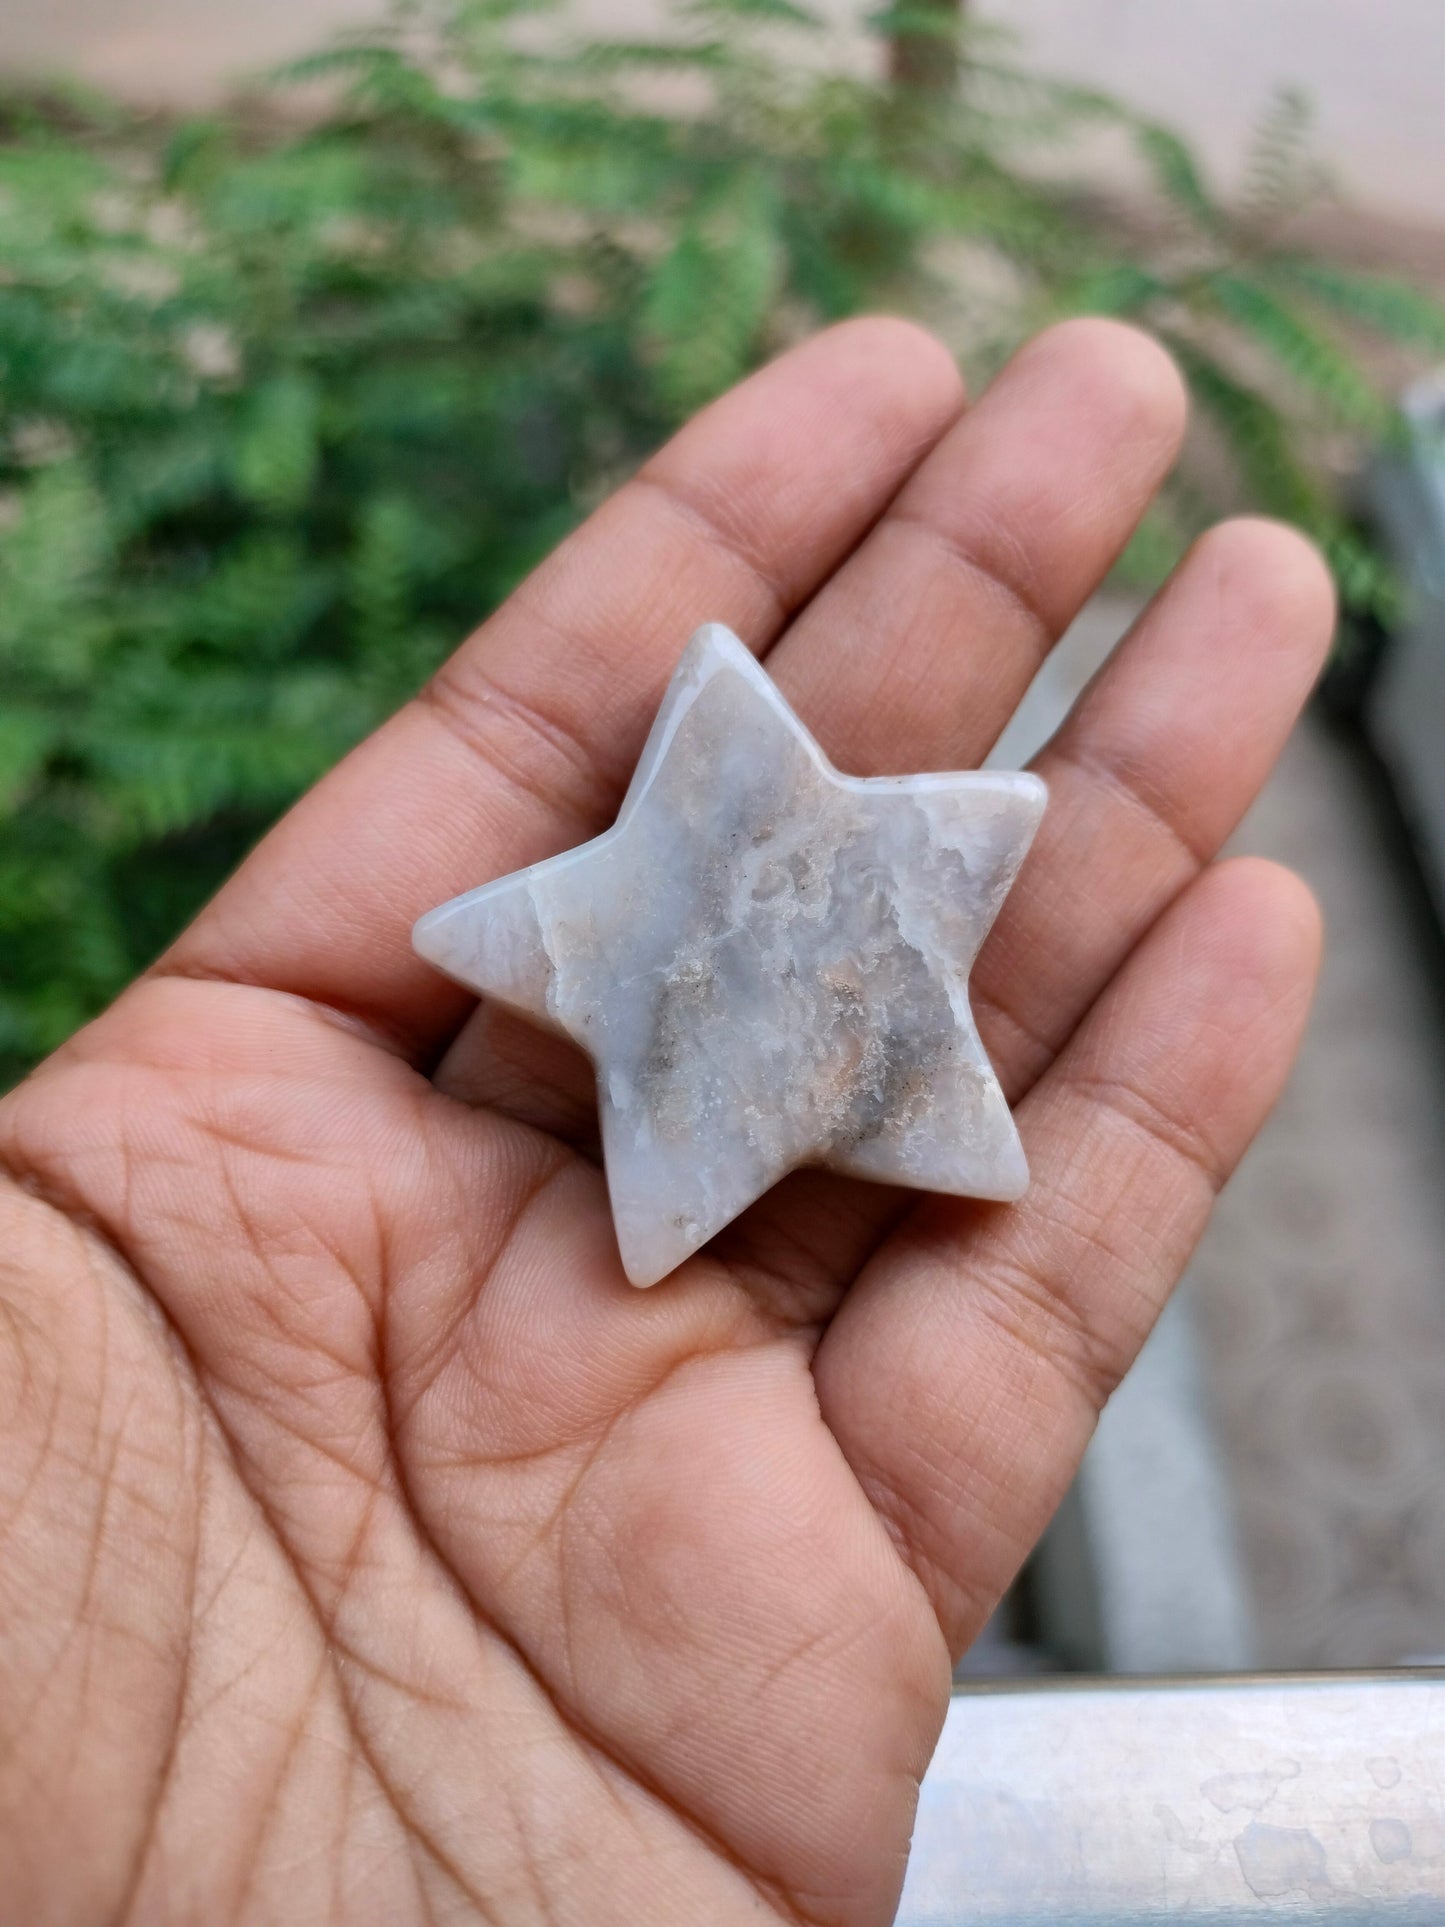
(963, 1375)
(917, 651)
(524, 742)
(1148, 776)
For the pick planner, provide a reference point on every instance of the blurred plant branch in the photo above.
(288, 400)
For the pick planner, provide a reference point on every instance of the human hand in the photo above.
(369, 1549)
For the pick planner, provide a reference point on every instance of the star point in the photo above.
(767, 962)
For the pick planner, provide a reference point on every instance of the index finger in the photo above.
(524, 740)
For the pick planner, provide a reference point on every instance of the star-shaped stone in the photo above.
(766, 961)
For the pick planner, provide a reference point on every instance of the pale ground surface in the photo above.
(1318, 1295)
(1376, 71)
(1321, 1289)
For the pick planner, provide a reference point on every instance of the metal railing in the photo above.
(1118, 1803)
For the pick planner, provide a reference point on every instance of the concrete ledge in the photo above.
(1320, 1800)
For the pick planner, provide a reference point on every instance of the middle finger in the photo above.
(915, 653)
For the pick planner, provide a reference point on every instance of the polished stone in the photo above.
(767, 962)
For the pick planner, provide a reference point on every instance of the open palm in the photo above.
(369, 1549)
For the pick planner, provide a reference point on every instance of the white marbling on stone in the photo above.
(766, 960)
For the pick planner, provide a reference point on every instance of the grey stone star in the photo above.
(767, 962)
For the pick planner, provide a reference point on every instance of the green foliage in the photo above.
(288, 400)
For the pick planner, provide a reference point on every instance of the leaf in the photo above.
(710, 295)
(1390, 307)
(194, 153)
(1316, 362)
(50, 561)
(1121, 288)
(347, 60)
(1176, 171)
(256, 601)
(1276, 477)
(782, 13)
(277, 446)
(1281, 174)
(1155, 548)
(27, 737)
(380, 582)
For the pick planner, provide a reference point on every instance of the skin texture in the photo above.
(369, 1549)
